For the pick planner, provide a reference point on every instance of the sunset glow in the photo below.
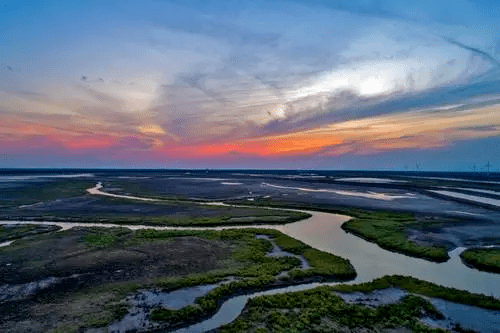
(316, 83)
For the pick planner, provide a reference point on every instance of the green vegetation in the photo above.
(106, 237)
(322, 263)
(420, 287)
(226, 218)
(483, 259)
(15, 231)
(388, 231)
(152, 259)
(290, 244)
(259, 272)
(320, 310)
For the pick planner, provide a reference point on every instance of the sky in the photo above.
(363, 84)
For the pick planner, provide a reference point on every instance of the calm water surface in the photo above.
(322, 231)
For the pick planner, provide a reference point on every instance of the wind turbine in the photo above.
(488, 165)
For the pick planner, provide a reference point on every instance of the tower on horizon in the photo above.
(488, 166)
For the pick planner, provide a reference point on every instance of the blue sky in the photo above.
(316, 84)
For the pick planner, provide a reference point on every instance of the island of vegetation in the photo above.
(260, 273)
(484, 259)
(386, 229)
(323, 310)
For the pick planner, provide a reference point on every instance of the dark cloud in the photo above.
(477, 51)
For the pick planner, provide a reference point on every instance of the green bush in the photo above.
(388, 231)
(320, 310)
(420, 287)
(258, 272)
(483, 259)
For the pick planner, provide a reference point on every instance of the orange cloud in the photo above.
(291, 144)
(89, 142)
(411, 130)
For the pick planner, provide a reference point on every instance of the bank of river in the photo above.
(323, 232)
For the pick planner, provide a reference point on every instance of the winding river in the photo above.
(322, 231)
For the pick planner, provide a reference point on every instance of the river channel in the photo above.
(323, 231)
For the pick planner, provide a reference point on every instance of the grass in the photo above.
(97, 299)
(483, 259)
(10, 232)
(258, 273)
(322, 263)
(320, 310)
(386, 229)
(106, 237)
(420, 287)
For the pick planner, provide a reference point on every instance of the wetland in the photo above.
(186, 250)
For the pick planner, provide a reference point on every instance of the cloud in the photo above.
(271, 78)
(486, 128)
(151, 129)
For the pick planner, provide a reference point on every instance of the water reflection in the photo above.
(323, 232)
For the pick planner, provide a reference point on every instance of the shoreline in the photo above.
(306, 283)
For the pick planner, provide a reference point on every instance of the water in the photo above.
(7, 243)
(276, 251)
(231, 309)
(376, 298)
(174, 300)
(143, 301)
(480, 320)
(322, 231)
